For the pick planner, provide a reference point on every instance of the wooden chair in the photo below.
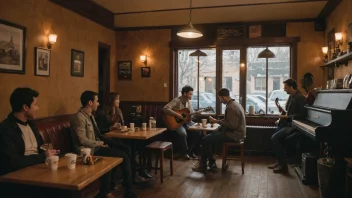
(159, 148)
(225, 150)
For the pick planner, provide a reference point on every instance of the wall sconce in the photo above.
(325, 52)
(144, 59)
(242, 64)
(338, 38)
(52, 40)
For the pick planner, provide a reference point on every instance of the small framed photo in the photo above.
(42, 62)
(77, 63)
(255, 31)
(145, 72)
(124, 69)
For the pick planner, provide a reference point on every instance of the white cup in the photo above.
(204, 123)
(85, 152)
(132, 127)
(251, 109)
(52, 162)
(144, 126)
(71, 160)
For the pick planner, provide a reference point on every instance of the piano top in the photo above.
(340, 99)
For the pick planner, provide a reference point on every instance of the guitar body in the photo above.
(173, 122)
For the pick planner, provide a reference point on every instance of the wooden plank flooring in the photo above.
(257, 182)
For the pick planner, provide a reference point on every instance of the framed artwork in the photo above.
(124, 69)
(77, 63)
(255, 31)
(231, 32)
(12, 48)
(349, 32)
(145, 71)
(331, 44)
(42, 61)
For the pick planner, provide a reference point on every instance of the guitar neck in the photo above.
(200, 111)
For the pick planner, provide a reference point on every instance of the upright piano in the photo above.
(329, 121)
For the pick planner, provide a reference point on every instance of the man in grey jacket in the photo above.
(232, 129)
(86, 134)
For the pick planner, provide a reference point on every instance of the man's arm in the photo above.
(10, 153)
(300, 112)
(231, 119)
(79, 128)
(169, 106)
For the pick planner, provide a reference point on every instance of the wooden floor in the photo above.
(257, 182)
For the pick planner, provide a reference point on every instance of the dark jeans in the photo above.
(282, 137)
(208, 143)
(189, 140)
(125, 166)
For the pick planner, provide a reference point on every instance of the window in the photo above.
(260, 83)
(200, 74)
(277, 70)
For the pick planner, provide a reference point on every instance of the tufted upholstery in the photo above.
(149, 109)
(56, 130)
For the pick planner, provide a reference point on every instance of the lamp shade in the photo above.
(198, 53)
(266, 54)
(189, 32)
(325, 49)
(52, 38)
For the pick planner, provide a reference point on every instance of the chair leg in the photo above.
(156, 163)
(162, 166)
(171, 161)
(224, 155)
(242, 159)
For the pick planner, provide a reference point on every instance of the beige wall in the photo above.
(339, 19)
(309, 54)
(59, 93)
(154, 44)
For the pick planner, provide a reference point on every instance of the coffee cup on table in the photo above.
(132, 127)
(144, 126)
(85, 152)
(204, 123)
(52, 162)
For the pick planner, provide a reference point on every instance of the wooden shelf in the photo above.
(339, 60)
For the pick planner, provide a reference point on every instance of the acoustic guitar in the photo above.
(173, 122)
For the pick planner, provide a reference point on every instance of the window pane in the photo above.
(231, 74)
(256, 80)
(279, 71)
(188, 75)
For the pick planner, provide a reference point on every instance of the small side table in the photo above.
(348, 176)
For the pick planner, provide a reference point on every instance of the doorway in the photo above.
(104, 72)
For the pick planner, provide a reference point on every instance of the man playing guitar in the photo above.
(181, 102)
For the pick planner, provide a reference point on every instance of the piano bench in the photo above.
(225, 150)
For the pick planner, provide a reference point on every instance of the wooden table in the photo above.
(133, 137)
(76, 181)
(348, 176)
(140, 135)
(199, 127)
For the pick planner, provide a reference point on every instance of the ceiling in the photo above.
(152, 13)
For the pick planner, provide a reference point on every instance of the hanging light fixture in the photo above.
(198, 53)
(189, 31)
(266, 54)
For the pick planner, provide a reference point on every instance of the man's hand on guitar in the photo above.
(212, 120)
(179, 116)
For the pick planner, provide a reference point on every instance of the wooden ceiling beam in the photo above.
(90, 10)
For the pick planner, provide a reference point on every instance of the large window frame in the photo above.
(224, 44)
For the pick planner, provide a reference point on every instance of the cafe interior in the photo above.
(147, 51)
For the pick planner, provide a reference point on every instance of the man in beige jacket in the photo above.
(86, 134)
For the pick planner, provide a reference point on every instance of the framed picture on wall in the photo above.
(77, 63)
(255, 31)
(124, 69)
(41, 62)
(145, 72)
(12, 45)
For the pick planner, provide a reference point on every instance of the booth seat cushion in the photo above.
(56, 130)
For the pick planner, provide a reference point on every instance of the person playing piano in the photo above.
(294, 110)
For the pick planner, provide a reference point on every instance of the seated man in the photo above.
(232, 129)
(294, 110)
(87, 135)
(20, 140)
(184, 101)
